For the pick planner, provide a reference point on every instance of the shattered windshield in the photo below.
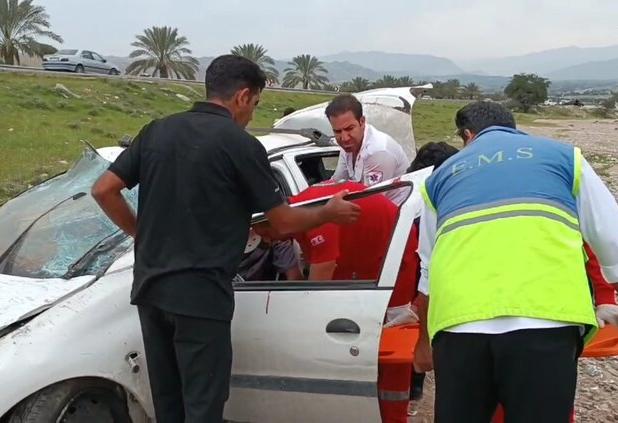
(57, 230)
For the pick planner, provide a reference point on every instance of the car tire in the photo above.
(79, 69)
(114, 72)
(73, 401)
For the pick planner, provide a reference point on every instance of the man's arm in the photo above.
(427, 238)
(123, 173)
(604, 292)
(107, 192)
(325, 248)
(263, 193)
(322, 271)
(294, 274)
(288, 220)
(423, 361)
(598, 221)
(341, 171)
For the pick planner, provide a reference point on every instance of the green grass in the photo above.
(434, 120)
(40, 129)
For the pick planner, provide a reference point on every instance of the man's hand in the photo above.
(423, 359)
(607, 314)
(337, 210)
(287, 220)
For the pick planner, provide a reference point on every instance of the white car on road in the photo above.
(79, 61)
(70, 344)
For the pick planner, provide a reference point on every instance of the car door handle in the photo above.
(342, 326)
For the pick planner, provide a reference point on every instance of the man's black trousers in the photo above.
(532, 373)
(189, 364)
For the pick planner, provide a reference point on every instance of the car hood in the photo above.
(21, 297)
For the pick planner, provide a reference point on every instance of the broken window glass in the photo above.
(56, 229)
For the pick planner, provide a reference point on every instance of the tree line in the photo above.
(163, 52)
(160, 51)
(451, 89)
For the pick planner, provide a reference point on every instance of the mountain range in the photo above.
(597, 66)
(549, 62)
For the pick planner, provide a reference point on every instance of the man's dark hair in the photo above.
(344, 103)
(483, 114)
(432, 154)
(228, 74)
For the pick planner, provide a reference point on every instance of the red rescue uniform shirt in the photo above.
(359, 249)
(603, 292)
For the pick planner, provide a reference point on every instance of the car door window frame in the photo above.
(284, 178)
(318, 156)
(297, 173)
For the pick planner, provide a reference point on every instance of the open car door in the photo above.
(388, 109)
(307, 351)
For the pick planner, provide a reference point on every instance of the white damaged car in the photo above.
(70, 344)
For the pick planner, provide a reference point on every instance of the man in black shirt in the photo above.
(201, 177)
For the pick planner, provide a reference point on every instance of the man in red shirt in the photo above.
(339, 252)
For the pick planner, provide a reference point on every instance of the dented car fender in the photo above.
(69, 341)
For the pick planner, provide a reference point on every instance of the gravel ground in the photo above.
(597, 393)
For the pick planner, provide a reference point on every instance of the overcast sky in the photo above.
(457, 29)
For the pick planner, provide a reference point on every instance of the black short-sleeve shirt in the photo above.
(200, 178)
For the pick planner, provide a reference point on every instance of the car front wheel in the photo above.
(74, 401)
(79, 69)
(114, 72)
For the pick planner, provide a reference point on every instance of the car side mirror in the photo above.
(104, 60)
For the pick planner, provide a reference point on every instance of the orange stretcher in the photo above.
(397, 348)
(604, 344)
(397, 344)
(395, 371)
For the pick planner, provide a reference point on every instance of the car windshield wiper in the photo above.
(21, 236)
(108, 243)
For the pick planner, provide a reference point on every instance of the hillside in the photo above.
(41, 129)
(337, 71)
(600, 70)
(398, 63)
(544, 62)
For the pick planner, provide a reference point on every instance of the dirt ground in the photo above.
(597, 393)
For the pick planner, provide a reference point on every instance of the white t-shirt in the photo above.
(379, 159)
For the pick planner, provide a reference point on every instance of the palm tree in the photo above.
(359, 84)
(405, 81)
(161, 49)
(307, 71)
(386, 81)
(471, 91)
(257, 54)
(20, 24)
